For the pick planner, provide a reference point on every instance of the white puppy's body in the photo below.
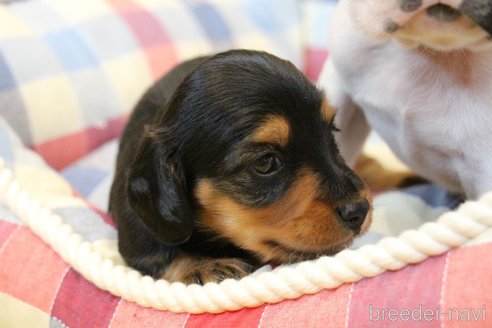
(434, 109)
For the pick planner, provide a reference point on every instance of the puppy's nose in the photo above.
(353, 215)
(443, 13)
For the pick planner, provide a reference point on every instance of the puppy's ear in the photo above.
(156, 191)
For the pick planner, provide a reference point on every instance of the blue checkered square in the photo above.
(73, 53)
(213, 24)
(108, 36)
(30, 59)
(6, 79)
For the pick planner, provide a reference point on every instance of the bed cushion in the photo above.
(39, 289)
(70, 71)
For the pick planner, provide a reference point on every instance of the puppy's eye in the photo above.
(267, 165)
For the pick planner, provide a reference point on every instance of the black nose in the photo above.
(443, 13)
(353, 214)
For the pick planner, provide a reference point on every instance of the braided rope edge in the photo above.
(451, 230)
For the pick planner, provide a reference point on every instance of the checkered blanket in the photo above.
(62, 297)
(71, 71)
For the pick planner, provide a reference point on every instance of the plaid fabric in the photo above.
(70, 71)
(65, 299)
(316, 17)
(38, 289)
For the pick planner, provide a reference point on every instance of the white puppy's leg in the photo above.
(476, 178)
(483, 186)
(353, 131)
(350, 119)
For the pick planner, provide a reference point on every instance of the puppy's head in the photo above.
(245, 152)
(438, 25)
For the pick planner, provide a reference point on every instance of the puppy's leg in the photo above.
(190, 269)
(354, 130)
(475, 172)
(349, 118)
(380, 178)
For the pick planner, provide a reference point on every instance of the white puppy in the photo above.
(419, 72)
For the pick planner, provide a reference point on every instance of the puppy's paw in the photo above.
(379, 178)
(216, 271)
(192, 270)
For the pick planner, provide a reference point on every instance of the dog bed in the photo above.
(59, 264)
(41, 202)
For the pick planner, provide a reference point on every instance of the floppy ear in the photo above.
(156, 189)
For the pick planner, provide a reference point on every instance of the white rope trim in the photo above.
(452, 229)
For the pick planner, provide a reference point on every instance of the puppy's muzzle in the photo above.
(353, 215)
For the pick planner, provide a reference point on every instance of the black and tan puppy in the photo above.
(229, 162)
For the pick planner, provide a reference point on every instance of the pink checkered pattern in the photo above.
(36, 279)
(316, 17)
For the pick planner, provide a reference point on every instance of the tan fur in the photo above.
(457, 64)
(200, 270)
(380, 178)
(327, 111)
(275, 129)
(299, 226)
(424, 30)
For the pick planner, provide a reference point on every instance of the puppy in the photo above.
(228, 162)
(420, 74)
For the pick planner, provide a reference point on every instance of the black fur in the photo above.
(193, 124)
(480, 12)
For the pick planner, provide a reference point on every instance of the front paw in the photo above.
(190, 270)
(380, 178)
